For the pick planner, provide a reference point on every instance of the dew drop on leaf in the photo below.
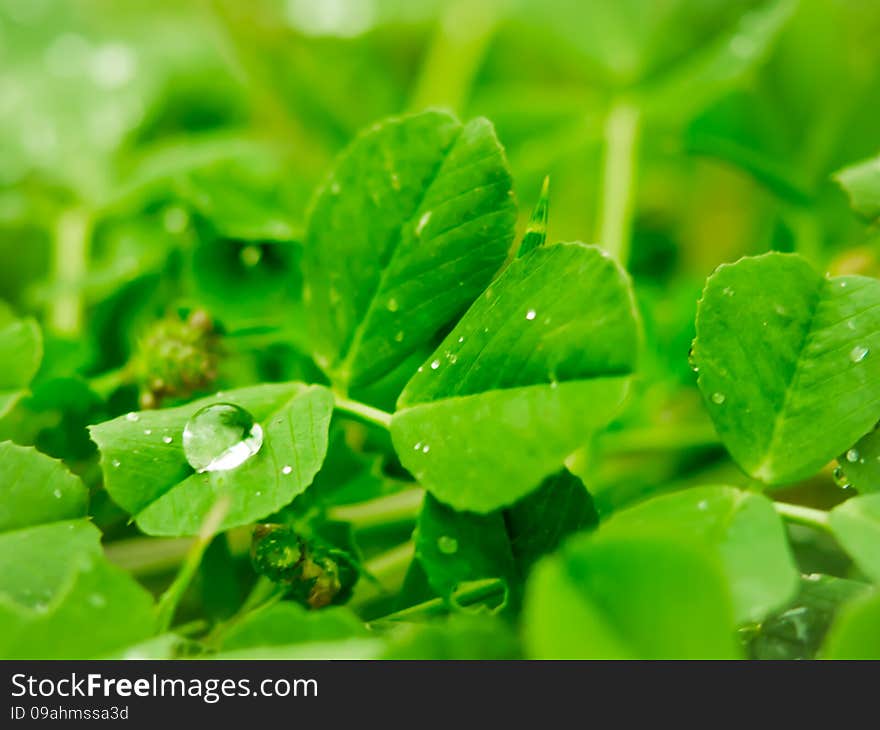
(530, 315)
(423, 221)
(286, 469)
(116, 463)
(167, 439)
(718, 398)
(447, 545)
(220, 437)
(148, 431)
(133, 417)
(852, 456)
(858, 353)
(426, 449)
(392, 305)
(435, 364)
(840, 478)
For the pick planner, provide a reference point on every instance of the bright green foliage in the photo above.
(408, 228)
(856, 525)
(741, 528)
(856, 633)
(788, 363)
(548, 348)
(862, 183)
(628, 597)
(146, 472)
(21, 349)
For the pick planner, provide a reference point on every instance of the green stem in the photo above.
(815, 518)
(455, 55)
(475, 592)
(365, 412)
(399, 507)
(169, 600)
(388, 571)
(70, 257)
(678, 437)
(619, 179)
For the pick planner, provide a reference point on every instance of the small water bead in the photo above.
(286, 469)
(435, 364)
(133, 417)
(418, 446)
(148, 431)
(852, 456)
(460, 340)
(57, 493)
(531, 314)
(850, 324)
(116, 463)
(718, 398)
(392, 305)
(447, 545)
(728, 292)
(167, 439)
(452, 357)
(220, 437)
(423, 221)
(840, 478)
(703, 505)
(426, 449)
(858, 353)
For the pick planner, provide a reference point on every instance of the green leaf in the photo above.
(628, 597)
(287, 623)
(741, 528)
(856, 632)
(146, 472)
(789, 363)
(536, 231)
(55, 585)
(21, 349)
(856, 525)
(406, 231)
(535, 366)
(799, 630)
(455, 547)
(35, 489)
(862, 184)
(457, 637)
(860, 465)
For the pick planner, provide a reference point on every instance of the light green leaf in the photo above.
(789, 363)
(743, 530)
(856, 525)
(21, 349)
(862, 184)
(855, 633)
(860, 465)
(146, 472)
(56, 587)
(633, 597)
(284, 624)
(35, 489)
(407, 230)
(537, 364)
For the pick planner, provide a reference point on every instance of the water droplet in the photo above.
(258, 494)
(97, 600)
(286, 469)
(423, 221)
(858, 353)
(850, 324)
(703, 505)
(115, 463)
(421, 369)
(426, 449)
(148, 431)
(418, 446)
(531, 314)
(718, 398)
(460, 340)
(398, 337)
(840, 478)
(250, 256)
(167, 439)
(57, 493)
(392, 305)
(728, 292)
(133, 417)
(842, 284)
(852, 456)
(221, 437)
(435, 364)
(452, 357)
(447, 545)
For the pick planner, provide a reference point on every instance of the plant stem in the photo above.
(476, 591)
(169, 600)
(669, 438)
(365, 412)
(70, 257)
(799, 515)
(455, 55)
(399, 507)
(619, 179)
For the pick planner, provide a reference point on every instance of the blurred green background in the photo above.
(157, 157)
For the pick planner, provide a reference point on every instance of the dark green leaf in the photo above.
(862, 184)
